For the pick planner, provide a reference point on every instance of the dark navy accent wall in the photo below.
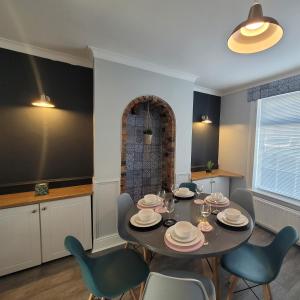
(38, 144)
(205, 138)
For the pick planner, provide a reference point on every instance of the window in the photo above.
(277, 154)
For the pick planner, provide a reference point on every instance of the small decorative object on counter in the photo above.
(41, 188)
(148, 136)
(209, 166)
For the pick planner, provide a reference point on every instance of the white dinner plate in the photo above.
(156, 220)
(199, 238)
(238, 222)
(210, 200)
(141, 202)
(188, 195)
(222, 219)
(138, 220)
(181, 240)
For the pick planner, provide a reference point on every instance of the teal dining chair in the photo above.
(110, 275)
(190, 185)
(178, 285)
(258, 264)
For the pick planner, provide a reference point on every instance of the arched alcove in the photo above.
(147, 168)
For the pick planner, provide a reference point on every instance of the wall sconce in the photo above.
(43, 101)
(205, 119)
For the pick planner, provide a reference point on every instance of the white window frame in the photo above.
(270, 195)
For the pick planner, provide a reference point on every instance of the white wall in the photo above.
(236, 142)
(115, 85)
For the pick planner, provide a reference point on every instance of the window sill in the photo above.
(284, 201)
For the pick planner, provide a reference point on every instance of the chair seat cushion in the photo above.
(119, 271)
(251, 263)
(207, 283)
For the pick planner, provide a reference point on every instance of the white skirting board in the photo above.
(107, 242)
(274, 216)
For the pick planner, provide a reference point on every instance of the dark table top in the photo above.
(220, 240)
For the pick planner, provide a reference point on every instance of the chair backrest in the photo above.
(124, 203)
(159, 286)
(283, 241)
(244, 198)
(190, 185)
(84, 261)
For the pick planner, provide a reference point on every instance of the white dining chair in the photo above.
(178, 285)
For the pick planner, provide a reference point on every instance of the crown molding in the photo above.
(201, 89)
(141, 64)
(45, 53)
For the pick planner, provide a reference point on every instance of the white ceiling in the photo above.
(185, 35)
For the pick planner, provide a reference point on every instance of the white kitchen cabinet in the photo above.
(215, 184)
(62, 218)
(20, 238)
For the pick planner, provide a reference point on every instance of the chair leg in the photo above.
(233, 281)
(267, 292)
(145, 256)
(126, 245)
(141, 290)
(216, 276)
(91, 297)
(132, 294)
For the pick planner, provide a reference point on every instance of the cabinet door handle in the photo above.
(44, 208)
(34, 211)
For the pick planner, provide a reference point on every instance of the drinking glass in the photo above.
(161, 194)
(169, 205)
(174, 188)
(205, 212)
(199, 191)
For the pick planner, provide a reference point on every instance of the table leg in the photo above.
(216, 276)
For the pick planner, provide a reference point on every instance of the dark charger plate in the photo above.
(149, 228)
(242, 228)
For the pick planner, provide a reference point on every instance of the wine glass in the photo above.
(205, 211)
(199, 191)
(174, 188)
(169, 205)
(161, 194)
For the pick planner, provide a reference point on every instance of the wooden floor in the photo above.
(61, 279)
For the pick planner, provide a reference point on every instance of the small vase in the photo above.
(208, 171)
(147, 139)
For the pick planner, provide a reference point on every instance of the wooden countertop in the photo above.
(215, 173)
(27, 198)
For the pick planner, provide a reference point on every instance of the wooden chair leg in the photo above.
(267, 292)
(145, 254)
(132, 294)
(141, 290)
(216, 276)
(91, 297)
(233, 281)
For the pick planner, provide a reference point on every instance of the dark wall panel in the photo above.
(205, 139)
(39, 143)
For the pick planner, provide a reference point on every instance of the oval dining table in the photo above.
(220, 240)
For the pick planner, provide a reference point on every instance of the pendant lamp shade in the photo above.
(256, 34)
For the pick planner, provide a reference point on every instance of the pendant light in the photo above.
(256, 34)
(43, 101)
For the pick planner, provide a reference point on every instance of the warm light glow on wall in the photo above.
(44, 101)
